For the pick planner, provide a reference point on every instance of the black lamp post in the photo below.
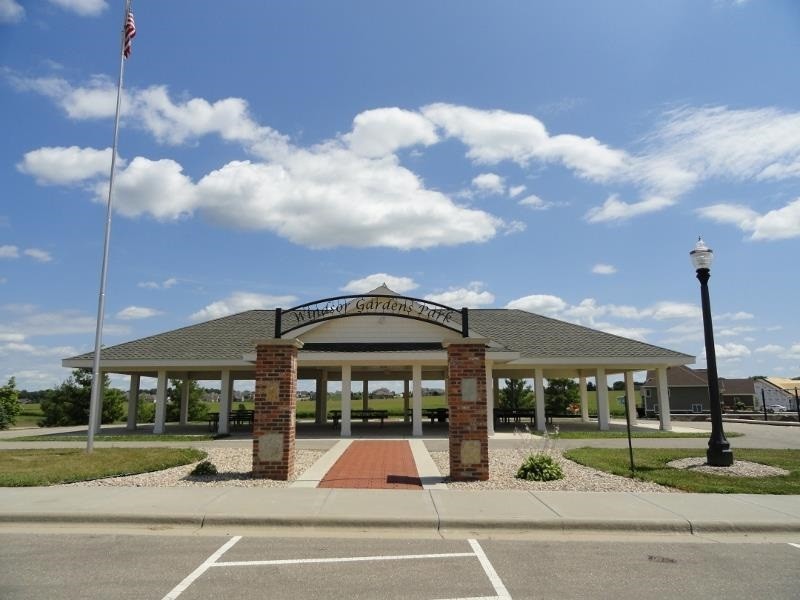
(719, 450)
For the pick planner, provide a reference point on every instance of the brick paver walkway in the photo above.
(375, 465)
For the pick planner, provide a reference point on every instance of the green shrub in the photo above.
(540, 467)
(9, 404)
(204, 469)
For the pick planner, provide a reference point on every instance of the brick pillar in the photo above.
(275, 404)
(466, 399)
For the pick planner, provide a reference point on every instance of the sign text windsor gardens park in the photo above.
(370, 304)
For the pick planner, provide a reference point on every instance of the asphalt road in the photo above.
(114, 567)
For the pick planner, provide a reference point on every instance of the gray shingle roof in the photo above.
(537, 336)
(228, 338)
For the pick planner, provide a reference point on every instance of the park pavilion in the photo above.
(383, 336)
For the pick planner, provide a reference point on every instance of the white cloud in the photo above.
(533, 201)
(473, 296)
(137, 312)
(737, 316)
(11, 348)
(155, 285)
(778, 224)
(604, 269)
(11, 11)
(730, 351)
(770, 349)
(239, 302)
(541, 304)
(383, 131)
(492, 136)
(633, 333)
(38, 254)
(157, 188)
(516, 190)
(489, 183)
(734, 331)
(29, 322)
(9, 251)
(614, 209)
(310, 198)
(12, 337)
(84, 8)
(370, 282)
(59, 165)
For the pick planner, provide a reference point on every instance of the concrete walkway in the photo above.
(437, 512)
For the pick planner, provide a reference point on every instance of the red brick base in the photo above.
(275, 400)
(466, 399)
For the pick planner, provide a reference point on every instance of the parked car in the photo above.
(776, 408)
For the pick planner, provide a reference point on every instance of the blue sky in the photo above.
(558, 157)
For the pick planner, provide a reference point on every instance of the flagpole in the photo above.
(97, 381)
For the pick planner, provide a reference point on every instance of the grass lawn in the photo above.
(52, 466)
(651, 466)
(29, 415)
(123, 437)
(596, 434)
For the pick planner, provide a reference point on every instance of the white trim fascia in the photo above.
(372, 358)
(589, 362)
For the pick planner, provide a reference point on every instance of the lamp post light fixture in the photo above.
(719, 450)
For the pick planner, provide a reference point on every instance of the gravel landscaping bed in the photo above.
(503, 465)
(739, 468)
(234, 466)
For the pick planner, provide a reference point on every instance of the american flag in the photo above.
(130, 33)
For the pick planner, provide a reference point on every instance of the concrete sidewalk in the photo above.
(436, 512)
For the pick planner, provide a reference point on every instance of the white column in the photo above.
(346, 374)
(489, 399)
(584, 398)
(161, 402)
(365, 395)
(225, 389)
(133, 398)
(184, 413)
(538, 377)
(405, 400)
(630, 396)
(601, 385)
(663, 399)
(416, 421)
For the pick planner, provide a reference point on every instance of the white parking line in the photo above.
(795, 545)
(306, 561)
(497, 583)
(477, 552)
(181, 587)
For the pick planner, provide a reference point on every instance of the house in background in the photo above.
(687, 389)
(688, 392)
(777, 392)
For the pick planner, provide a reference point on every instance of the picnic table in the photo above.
(514, 415)
(356, 413)
(440, 414)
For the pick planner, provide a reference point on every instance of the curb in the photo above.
(521, 526)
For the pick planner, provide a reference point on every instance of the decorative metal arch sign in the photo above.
(358, 305)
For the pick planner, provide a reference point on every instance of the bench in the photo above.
(355, 414)
(235, 418)
(440, 414)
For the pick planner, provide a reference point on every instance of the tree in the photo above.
(197, 408)
(9, 404)
(618, 386)
(69, 403)
(590, 386)
(515, 395)
(559, 394)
